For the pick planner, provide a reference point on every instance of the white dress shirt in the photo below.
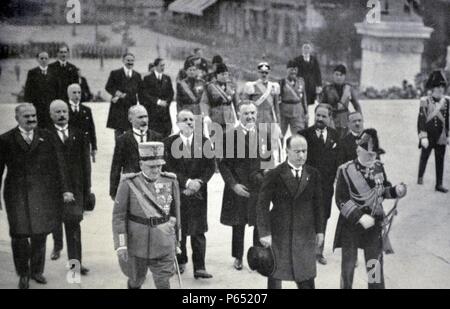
(74, 106)
(294, 170)
(187, 141)
(137, 135)
(307, 58)
(158, 75)
(62, 63)
(44, 70)
(26, 134)
(128, 72)
(324, 132)
(61, 131)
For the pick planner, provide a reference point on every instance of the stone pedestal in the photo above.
(392, 49)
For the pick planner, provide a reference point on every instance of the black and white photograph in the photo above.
(234, 145)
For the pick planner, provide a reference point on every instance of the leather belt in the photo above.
(153, 221)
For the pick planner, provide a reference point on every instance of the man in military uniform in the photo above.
(339, 95)
(360, 190)
(219, 99)
(293, 107)
(433, 127)
(146, 212)
(190, 89)
(348, 143)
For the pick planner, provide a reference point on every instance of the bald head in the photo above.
(297, 150)
(59, 113)
(26, 116)
(138, 116)
(74, 93)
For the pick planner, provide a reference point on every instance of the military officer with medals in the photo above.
(339, 95)
(293, 107)
(145, 217)
(190, 89)
(219, 100)
(433, 127)
(361, 187)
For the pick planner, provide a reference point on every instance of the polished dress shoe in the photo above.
(203, 274)
(24, 283)
(441, 189)
(39, 278)
(322, 260)
(56, 254)
(420, 181)
(84, 271)
(237, 264)
(182, 268)
(132, 288)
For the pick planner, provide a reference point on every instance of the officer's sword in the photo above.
(178, 271)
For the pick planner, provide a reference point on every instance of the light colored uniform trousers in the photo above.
(161, 268)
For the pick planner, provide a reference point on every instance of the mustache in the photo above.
(62, 118)
(31, 122)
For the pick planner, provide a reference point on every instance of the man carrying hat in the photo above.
(339, 95)
(361, 187)
(219, 99)
(293, 107)
(146, 212)
(190, 89)
(433, 127)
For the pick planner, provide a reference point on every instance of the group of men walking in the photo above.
(159, 179)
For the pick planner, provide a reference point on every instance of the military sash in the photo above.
(146, 199)
(188, 91)
(292, 91)
(266, 93)
(434, 110)
(221, 93)
(364, 195)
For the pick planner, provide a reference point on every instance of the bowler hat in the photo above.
(436, 79)
(89, 204)
(262, 260)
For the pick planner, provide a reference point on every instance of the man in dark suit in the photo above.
(193, 175)
(309, 69)
(123, 85)
(156, 94)
(126, 155)
(348, 143)
(81, 117)
(242, 174)
(323, 154)
(74, 145)
(294, 226)
(86, 94)
(35, 186)
(64, 73)
(39, 89)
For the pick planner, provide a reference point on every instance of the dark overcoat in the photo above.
(194, 208)
(151, 91)
(293, 222)
(244, 170)
(34, 182)
(84, 121)
(118, 112)
(126, 157)
(40, 90)
(325, 158)
(77, 166)
(63, 78)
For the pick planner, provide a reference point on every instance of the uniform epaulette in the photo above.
(346, 164)
(128, 176)
(169, 175)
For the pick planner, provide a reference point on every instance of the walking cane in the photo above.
(178, 270)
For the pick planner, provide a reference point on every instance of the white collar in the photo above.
(74, 104)
(62, 62)
(158, 75)
(127, 70)
(307, 57)
(43, 69)
(23, 131)
(294, 168)
(139, 131)
(62, 128)
(185, 139)
(324, 130)
(354, 134)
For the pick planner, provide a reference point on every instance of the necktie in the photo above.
(297, 173)
(188, 144)
(75, 109)
(64, 135)
(44, 72)
(322, 137)
(142, 136)
(27, 138)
